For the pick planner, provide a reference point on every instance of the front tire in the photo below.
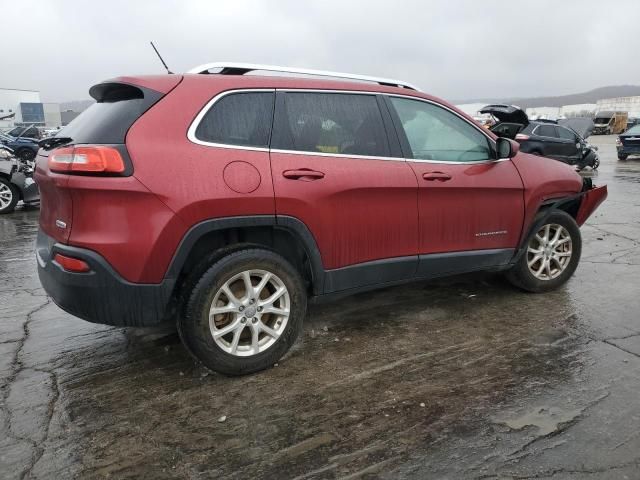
(551, 257)
(244, 313)
(622, 157)
(26, 154)
(9, 196)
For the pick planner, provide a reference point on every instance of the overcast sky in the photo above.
(455, 49)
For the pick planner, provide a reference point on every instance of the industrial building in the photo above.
(631, 105)
(23, 107)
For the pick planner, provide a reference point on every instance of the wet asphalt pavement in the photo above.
(462, 378)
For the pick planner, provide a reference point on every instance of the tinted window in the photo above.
(546, 131)
(239, 119)
(339, 123)
(109, 119)
(566, 134)
(437, 134)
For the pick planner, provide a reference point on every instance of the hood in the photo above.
(507, 113)
(30, 141)
(603, 118)
(583, 126)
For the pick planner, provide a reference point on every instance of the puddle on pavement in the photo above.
(546, 419)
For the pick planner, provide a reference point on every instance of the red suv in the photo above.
(226, 201)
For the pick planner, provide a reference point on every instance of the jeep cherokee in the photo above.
(225, 201)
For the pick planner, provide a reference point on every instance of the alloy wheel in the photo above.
(549, 252)
(249, 312)
(6, 196)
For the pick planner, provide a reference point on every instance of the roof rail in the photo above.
(227, 68)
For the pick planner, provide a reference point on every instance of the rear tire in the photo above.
(9, 196)
(234, 329)
(551, 257)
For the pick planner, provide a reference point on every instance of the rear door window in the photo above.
(546, 131)
(332, 123)
(241, 119)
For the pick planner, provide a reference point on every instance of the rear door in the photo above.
(470, 204)
(335, 170)
(552, 144)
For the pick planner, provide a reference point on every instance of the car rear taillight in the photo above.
(521, 136)
(71, 264)
(86, 159)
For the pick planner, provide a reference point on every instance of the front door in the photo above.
(570, 144)
(471, 206)
(333, 170)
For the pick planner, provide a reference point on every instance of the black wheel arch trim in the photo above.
(292, 224)
(547, 209)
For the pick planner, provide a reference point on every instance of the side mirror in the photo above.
(507, 148)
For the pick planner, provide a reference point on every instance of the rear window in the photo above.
(635, 130)
(546, 131)
(109, 119)
(337, 123)
(242, 119)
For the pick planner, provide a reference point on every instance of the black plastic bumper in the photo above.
(622, 150)
(101, 295)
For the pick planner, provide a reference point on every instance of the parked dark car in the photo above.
(30, 131)
(16, 181)
(628, 143)
(545, 138)
(24, 148)
(225, 202)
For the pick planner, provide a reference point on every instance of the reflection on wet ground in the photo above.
(463, 378)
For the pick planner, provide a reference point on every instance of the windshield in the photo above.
(635, 130)
(4, 136)
(602, 120)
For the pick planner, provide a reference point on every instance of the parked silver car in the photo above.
(16, 181)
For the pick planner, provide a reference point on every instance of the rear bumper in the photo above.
(100, 295)
(628, 150)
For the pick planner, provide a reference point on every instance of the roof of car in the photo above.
(219, 83)
(236, 68)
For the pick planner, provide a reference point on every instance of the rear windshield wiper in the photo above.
(53, 142)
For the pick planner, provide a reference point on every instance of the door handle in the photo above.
(436, 176)
(303, 174)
